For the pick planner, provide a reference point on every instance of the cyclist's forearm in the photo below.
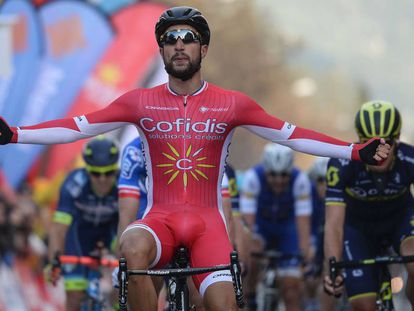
(334, 230)
(229, 219)
(57, 237)
(250, 220)
(303, 229)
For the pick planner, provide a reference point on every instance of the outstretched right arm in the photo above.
(117, 114)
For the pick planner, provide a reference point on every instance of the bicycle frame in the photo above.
(181, 302)
(270, 291)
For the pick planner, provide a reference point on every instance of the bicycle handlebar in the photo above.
(236, 274)
(380, 260)
(88, 261)
(234, 268)
(175, 272)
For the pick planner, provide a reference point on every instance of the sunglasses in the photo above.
(276, 174)
(186, 36)
(106, 174)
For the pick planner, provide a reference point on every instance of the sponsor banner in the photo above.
(111, 6)
(107, 6)
(128, 62)
(158, 76)
(27, 50)
(76, 36)
(40, 2)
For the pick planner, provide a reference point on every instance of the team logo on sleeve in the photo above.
(131, 160)
(332, 176)
(189, 165)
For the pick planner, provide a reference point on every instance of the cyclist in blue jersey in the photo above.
(369, 207)
(276, 202)
(131, 185)
(239, 232)
(317, 176)
(87, 213)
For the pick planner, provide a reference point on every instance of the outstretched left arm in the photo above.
(253, 117)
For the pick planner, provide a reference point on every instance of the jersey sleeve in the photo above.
(132, 171)
(335, 180)
(225, 187)
(302, 193)
(249, 191)
(66, 209)
(255, 119)
(115, 115)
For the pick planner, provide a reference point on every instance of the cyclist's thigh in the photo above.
(211, 248)
(367, 303)
(403, 236)
(403, 239)
(150, 235)
(360, 282)
(220, 297)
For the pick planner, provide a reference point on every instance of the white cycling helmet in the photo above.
(277, 158)
(318, 168)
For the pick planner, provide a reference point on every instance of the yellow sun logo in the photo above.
(188, 164)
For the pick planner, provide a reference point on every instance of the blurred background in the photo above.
(312, 63)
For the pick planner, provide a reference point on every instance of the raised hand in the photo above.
(6, 133)
(373, 152)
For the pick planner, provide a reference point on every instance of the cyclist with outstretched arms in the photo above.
(186, 127)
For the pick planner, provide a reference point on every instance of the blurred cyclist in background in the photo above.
(239, 231)
(276, 203)
(87, 214)
(371, 207)
(317, 176)
(132, 192)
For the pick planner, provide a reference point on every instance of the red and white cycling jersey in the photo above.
(186, 141)
(186, 138)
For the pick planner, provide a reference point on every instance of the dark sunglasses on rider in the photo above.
(106, 174)
(276, 174)
(186, 36)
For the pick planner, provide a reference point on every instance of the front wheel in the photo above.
(270, 303)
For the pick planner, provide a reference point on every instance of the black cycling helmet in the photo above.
(183, 15)
(101, 153)
(378, 118)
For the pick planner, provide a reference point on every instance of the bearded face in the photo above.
(181, 65)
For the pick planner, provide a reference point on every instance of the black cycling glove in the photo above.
(365, 152)
(6, 133)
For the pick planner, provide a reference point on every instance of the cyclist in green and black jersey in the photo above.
(368, 207)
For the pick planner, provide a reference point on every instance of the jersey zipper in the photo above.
(184, 151)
